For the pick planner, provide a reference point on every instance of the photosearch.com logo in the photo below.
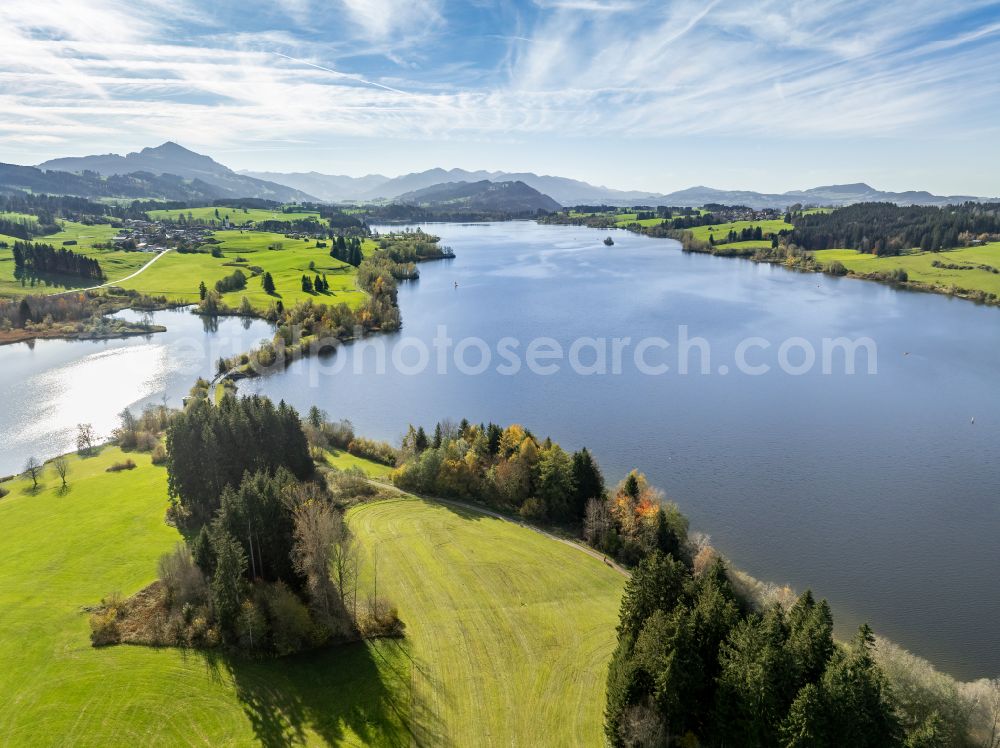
(683, 355)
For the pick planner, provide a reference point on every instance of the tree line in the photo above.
(509, 469)
(697, 665)
(39, 259)
(889, 229)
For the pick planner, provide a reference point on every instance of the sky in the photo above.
(768, 95)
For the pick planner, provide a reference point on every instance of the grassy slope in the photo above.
(237, 216)
(177, 275)
(62, 552)
(510, 631)
(342, 460)
(115, 263)
(919, 268)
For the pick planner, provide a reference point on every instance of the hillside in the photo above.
(506, 197)
(134, 185)
(508, 633)
(826, 196)
(171, 158)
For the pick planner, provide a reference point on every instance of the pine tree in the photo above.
(268, 283)
(228, 582)
(420, 441)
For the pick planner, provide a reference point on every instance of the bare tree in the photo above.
(85, 438)
(993, 710)
(33, 469)
(344, 562)
(597, 521)
(317, 525)
(61, 465)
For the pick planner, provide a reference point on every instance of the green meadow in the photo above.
(177, 275)
(62, 551)
(919, 266)
(507, 641)
(510, 632)
(625, 219)
(115, 263)
(237, 216)
(343, 460)
(720, 230)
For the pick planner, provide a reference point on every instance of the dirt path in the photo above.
(116, 281)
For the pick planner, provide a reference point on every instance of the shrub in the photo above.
(532, 509)
(351, 483)
(184, 584)
(372, 450)
(145, 441)
(380, 619)
(3, 492)
(836, 268)
(129, 464)
(104, 628)
(159, 456)
(291, 626)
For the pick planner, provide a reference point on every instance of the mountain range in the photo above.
(338, 188)
(512, 197)
(174, 172)
(170, 158)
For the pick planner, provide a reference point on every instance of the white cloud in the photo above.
(104, 69)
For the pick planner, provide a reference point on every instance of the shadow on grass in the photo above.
(359, 692)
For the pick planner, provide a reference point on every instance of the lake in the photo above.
(49, 386)
(876, 490)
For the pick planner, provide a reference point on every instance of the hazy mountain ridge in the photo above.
(568, 191)
(509, 197)
(170, 158)
(215, 181)
(332, 188)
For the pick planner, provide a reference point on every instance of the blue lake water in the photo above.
(49, 386)
(875, 490)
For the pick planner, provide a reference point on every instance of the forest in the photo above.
(39, 259)
(889, 229)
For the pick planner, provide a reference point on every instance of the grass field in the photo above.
(624, 219)
(115, 263)
(919, 267)
(177, 275)
(237, 216)
(720, 230)
(342, 460)
(508, 633)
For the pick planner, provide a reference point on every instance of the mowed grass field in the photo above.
(919, 266)
(115, 263)
(510, 632)
(177, 275)
(507, 643)
(237, 216)
(61, 552)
